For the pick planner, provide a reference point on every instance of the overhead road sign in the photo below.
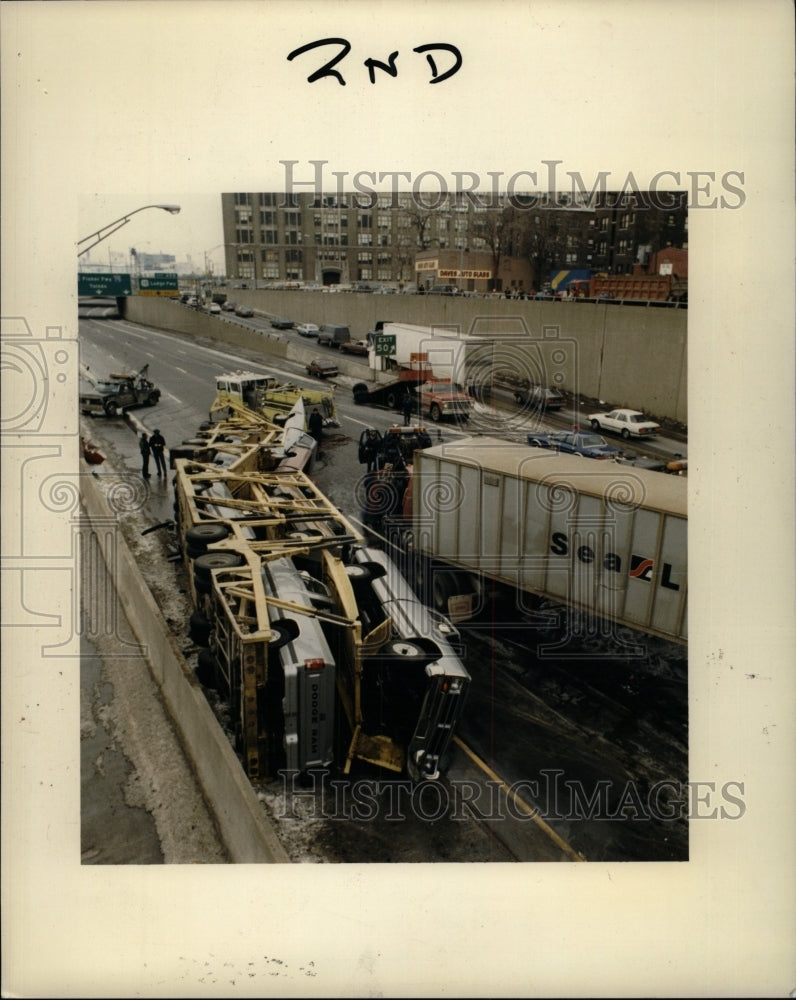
(103, 284)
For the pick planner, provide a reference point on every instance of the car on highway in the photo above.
(354, 347)
(245, 311)
(538, 397)
(628, 423)
(321, 368)
(307, 330)
(214, 308)
(229, 307)
(281, 323)
(584, 444)
(332, 335)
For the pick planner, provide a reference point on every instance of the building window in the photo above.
(365, 220)
(363, 257)
(384, 274)
(268, 200)
(293, 219)
(365, 239)
(267, 218)
(243, 199)
(243, 236)
(270, 236)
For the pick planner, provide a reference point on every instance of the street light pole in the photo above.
(117, 224)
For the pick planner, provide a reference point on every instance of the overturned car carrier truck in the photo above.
(316, 640)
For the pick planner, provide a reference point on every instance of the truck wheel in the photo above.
(207, 668)
(199, 629)
(436, 413)
(595, 425)
(404, 649)
(392, 400)
(202, 535)
(111, 409)
(216, 560)
(151, 399)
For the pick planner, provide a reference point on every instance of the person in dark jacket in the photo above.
(406, 407)
(369, 450)
(144, 446)
(158, 444)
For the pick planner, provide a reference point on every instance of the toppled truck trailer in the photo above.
(310, 636)
(605, 539)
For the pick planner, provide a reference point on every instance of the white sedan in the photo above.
(307, 330)
(628, 423)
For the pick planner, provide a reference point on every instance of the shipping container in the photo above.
(607, 539)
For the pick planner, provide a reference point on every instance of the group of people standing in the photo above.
(156, 447)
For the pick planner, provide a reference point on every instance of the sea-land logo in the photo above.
(641, 567)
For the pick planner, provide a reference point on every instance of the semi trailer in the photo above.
(606, 539)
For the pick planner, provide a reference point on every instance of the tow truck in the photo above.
(118, 393)
(264, 394)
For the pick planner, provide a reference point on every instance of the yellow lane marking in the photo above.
(523, 805)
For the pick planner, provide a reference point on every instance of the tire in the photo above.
(202, 535)
(595, 425)
(283, 635)
(111, 409)
(206, 563)
(193, 551)
(392, 400)
(207, 668)
(436, 413)
(534, 444)
(151, 399)
(199, 629)
(625, 433)
(404, 650)
(358, 574)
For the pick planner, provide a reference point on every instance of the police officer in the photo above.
(158, 443)
(144, 446)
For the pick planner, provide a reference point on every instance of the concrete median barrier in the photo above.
(242, 824)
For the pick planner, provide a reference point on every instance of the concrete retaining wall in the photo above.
(244, 829)
(626, 355)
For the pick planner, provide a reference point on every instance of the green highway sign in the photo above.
(160, 283)
(103, 284)
(384, 344)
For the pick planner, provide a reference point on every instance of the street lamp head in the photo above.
(173, 209)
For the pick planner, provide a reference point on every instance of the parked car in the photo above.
(244, 311)
(307, 330)
(628, 423)
(581, 443)
(322, 368)
(540, 398)
(333, 335)
(442, 290)
(354, 346)
(281, 323)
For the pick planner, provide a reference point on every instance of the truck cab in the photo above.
(442, 399)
